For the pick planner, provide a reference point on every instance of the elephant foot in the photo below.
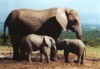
(82, 63)
(41, 60)
(20, 59)
(76, 61)
(16, 58)
(48, 61)
(24, 57)
(66, 62)
(52, 59)
(29, 60)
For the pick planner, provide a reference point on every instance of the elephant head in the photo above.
(69, 19)
(50, 42)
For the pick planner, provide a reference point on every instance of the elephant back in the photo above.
(35, 39)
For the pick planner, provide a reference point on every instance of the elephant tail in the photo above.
(4, 30)
(85, 51)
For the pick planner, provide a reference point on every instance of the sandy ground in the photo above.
(90, 63)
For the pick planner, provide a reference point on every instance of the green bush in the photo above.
(91, 38)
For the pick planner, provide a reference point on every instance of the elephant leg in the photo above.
(15, 52)
(66, 54)
(21, 55)
(78, 59)
(29, 56)
(47, 57)
(52, 56)
(24, 56)
(82, 59)
(46, 54)
(41, 57)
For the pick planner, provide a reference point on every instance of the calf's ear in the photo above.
(47, 41)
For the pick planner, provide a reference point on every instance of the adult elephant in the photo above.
(49, 22)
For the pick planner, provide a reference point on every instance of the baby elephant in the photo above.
(34, 42)
(75, 46)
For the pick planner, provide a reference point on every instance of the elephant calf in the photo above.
(75, 46)
(34, 42)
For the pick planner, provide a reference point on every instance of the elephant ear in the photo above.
(47, 41)
(62, 18)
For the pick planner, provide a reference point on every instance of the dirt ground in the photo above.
(90, 63)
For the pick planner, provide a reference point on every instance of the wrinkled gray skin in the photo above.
(75, 46)
(34, 42)
(50, 22)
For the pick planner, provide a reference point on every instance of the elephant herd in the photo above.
(32, 30)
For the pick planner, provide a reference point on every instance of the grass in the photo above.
(5, 48)
(90, 51)
(93, 51)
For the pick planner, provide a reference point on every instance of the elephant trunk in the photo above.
(79, 34)
(53, 53)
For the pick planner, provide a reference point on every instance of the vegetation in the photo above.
(93, 52)
(90, 38)
(5, 48)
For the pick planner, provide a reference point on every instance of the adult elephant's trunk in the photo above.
(79, 33)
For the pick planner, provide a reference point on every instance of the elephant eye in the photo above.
(76, 22)
(70, 17)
